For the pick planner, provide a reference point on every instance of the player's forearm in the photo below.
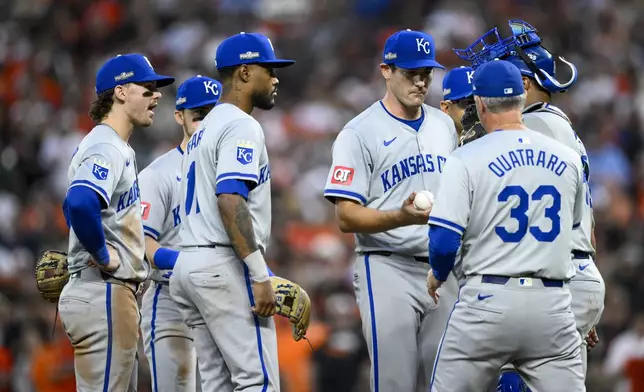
(158, 256)
(355, 218)
(237, 221)
(84, 209)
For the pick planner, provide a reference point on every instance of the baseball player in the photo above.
(98, 306)
(513, 198)
(537, 66)
(167, 341)
(380, 159)
(457, 94)
(220, 274)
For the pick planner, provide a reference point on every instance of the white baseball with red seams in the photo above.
(424, 200)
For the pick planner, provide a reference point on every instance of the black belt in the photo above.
(421, 259)
(211, 246)
(578, 254)
(498, 279)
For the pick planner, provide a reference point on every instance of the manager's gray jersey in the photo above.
(378, 161)
(160, 184)
(229, 145)
(552, 122)
(515, 196)
(106, 164)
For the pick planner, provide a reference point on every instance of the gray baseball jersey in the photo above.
(229, 145)
(514, 191)
(106, 164)
(379, 161)
(551, 121)
(160, 184)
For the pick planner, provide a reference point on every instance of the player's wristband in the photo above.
(165, 258)
(102, 256)
(257, 267)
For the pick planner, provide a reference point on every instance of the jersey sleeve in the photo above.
(238, 152)
(350, 169)
(100, 169)
(155, 202)
(453, 203)
(580, 197)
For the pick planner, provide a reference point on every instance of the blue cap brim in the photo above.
(161, 80)
(198, 104)
(277, 63)
(415, 64)
(456, 97)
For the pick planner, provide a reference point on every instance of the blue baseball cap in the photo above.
(196, 92)
(457, 83)
(128, 68)
(410, 49)
(498, 78)
(248, 48)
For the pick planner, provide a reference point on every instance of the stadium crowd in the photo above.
(50, 50)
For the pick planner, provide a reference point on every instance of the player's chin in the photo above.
(145, 121)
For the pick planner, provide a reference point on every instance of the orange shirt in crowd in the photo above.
(295, 357)
(6, 365)
(635, 372)
(52, 369)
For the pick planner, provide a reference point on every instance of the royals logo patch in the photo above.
(245, 152)
(100, 170)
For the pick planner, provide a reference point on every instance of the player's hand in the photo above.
(592, 338)
(114, 263)
(412, 216)
(432, 285)
(264, 299)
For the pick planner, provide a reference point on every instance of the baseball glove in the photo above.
(472, 128)
(52, 274)
(293, 303)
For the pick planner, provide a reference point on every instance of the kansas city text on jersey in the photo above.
(410, 166)
(126, 199)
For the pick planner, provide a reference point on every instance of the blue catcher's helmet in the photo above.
(524, 50)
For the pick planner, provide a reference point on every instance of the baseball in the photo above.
(424, 200)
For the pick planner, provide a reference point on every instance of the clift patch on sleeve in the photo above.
(101, 169)
(245, 152)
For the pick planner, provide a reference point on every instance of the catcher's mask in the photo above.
(522, 49)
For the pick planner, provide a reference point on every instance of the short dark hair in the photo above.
(102, 106)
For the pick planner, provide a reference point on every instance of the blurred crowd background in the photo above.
(49, 53)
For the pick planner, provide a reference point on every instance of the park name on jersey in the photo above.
(409, 167)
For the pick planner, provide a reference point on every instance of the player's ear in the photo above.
(386, 71)
(480, 107)
(178, 117)
(244, 72)
(444, 107)
(119, 92)
(526, 83)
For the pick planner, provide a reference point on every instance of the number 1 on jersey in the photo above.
(190, 193)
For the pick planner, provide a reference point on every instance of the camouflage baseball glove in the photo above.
(472, 128)
(293, 303)
(52, 274)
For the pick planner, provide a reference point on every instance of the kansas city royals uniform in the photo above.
(100, 311)
(514, 197)
(587, 286)
(212, 286)
(378, 161)
(167, 340)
